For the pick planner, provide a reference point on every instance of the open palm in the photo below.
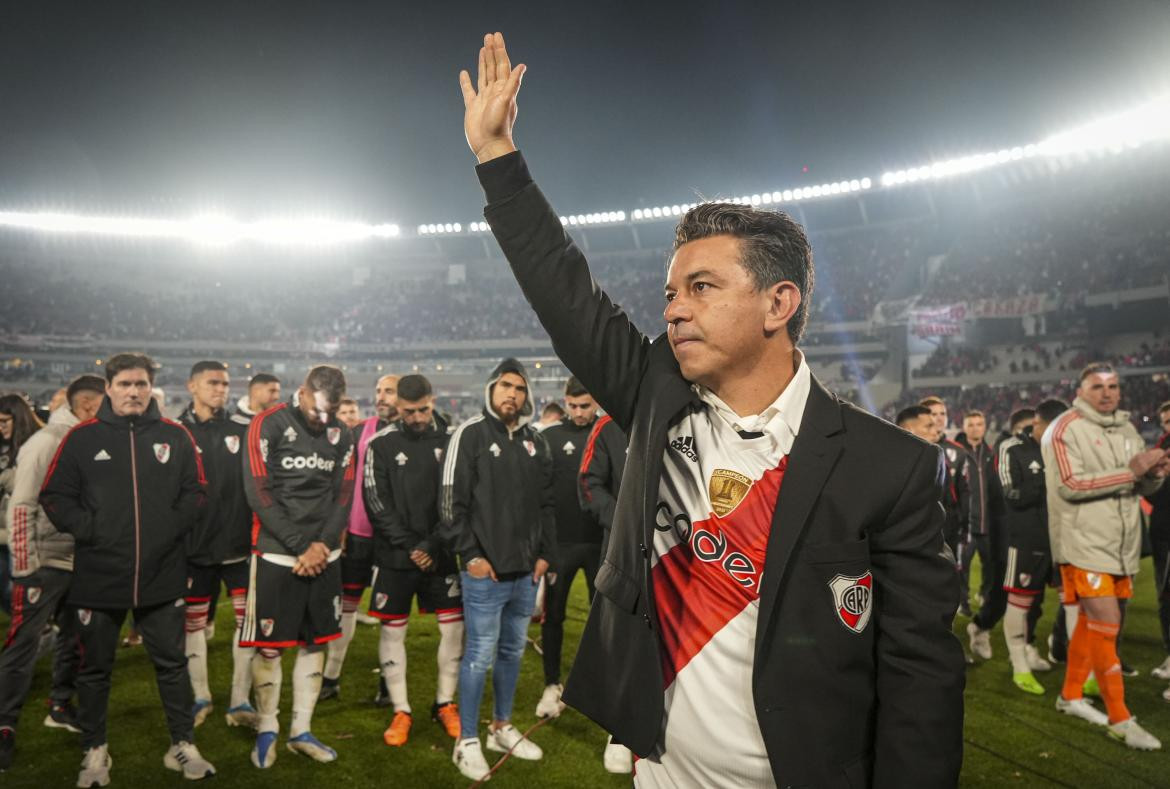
(490, 106)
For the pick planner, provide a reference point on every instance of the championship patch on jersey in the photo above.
(266, 626)
(232, 443)
(531, 447)
(727, 489)
(333, 434)
(162, 452)
(853, 597)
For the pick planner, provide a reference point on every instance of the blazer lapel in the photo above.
(814, 453)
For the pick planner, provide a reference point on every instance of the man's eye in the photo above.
(701, 286)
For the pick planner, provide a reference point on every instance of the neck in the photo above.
(202, 411)
(752, 393)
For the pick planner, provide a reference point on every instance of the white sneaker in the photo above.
(550, 704)
(1035, 662)
(184, 757)
(508, 738)
(617, 758)
(980, 641)
(95, 767)
(468, 757)
(1134, 736)
(1081, 708)
(1162, 671)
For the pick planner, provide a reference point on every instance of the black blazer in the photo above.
(883, 707)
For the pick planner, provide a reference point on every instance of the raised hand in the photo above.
(490, 107)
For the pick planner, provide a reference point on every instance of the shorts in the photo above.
(288, 610)
(1080, 583)
(203, 582)
(1029, 565)
(357, 564)
(438, 592)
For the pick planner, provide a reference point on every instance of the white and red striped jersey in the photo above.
(721, 478)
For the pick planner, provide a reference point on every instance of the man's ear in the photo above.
(783, 302)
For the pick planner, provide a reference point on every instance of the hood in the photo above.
(106, 414)
(244, 407)
(1116, 419)
(63, 416)
(508, 366)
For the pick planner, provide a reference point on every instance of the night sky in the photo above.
(353, 109)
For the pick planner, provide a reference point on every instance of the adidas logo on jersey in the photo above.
(685, 445)
(102, 455)
(569, 447)
(494, 449)
(312, 461)
(401, 458)
(290, 434)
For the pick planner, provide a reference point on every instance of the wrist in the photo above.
(494, 149)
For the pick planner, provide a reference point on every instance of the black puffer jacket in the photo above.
(129, 490)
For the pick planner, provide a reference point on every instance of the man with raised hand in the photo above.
(1096, 468)
(299, 482)
(775, 602)
(219, 548)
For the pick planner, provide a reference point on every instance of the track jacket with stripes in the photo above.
(129, 490)
(1094, 516)
(496, 499)
(33, 540)
(1021, 475)
(600, 477)
(400, 483)
(299, 481)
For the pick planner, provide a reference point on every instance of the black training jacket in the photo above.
(566, 443)
(1021, 476)
(985, 497)
(400, 485)
(129, 490)
(496, 497)
(225, 530)
(298, 482)
(602, 465)
(956, 495)
(1160, 500)
(836, 708)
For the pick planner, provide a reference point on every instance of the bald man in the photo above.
(357, 558)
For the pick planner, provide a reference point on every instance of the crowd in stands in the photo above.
(1036, 357)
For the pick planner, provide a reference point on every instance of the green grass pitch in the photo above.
(1011, 739)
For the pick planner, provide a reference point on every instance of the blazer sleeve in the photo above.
(591, 335)
(920, 666)
(63, 493)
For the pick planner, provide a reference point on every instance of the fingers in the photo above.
(482, 75)
(489, 61)
(514, 80)
(503, 65)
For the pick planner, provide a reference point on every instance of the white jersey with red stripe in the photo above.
(721, 478)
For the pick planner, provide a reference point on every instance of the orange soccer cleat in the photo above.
(447, 715)
(399, 731)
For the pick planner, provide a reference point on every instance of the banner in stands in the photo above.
(938, 321)
(945, 320)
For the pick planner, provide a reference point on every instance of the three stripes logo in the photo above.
(685, 445)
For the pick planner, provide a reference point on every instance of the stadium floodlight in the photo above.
(1131, 129)
(637, 213)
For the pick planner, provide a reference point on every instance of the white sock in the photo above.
(339, 646)
(241, 671)
(266, 678)
(306, 688)
(450, 654)
(197, 664)
(1015, 633)
(392, 657)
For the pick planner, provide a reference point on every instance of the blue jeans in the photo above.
(496, 615)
